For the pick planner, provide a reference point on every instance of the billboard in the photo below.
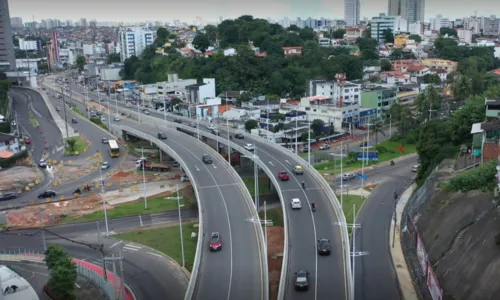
(371, 156)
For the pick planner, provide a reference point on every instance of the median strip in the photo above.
(33, 120)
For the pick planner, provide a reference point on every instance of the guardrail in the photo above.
(331, 195)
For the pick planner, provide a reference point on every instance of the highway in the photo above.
(47, 139)
(147, 275)
(328, 275)
(375, 276)
(239, 266)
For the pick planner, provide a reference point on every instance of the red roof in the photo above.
(415, 68)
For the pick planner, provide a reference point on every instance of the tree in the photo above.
(461, 86)
(388, 35)
(428, 101)
(448, 31)
(161, 36)
(211, 33)
(71, 144)
(80, 62)
(493, 91)
(251, 124)
(201, 42)
(368, 48)
(432, 79)
(396, 53)
(415, 37)
(385, 65)
(3, 76)
(338, 34)
(113, 57)
(461, 121)
(317, 127)
(376, 128)
(63, 273)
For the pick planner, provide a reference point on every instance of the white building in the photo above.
(400, 25)
(351, 12)
(174, 86)
(134, 40)
(9, 143)
(464, 35)
(381, 23)
(439, 22)
(67, 56)
(29, 63)
(473, 24)
(28, 45)
(415, 28)
(242, 113)
(110, 73)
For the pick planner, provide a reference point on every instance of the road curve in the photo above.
(329, 275)
(240, 268)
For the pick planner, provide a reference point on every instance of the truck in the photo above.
(152, 166)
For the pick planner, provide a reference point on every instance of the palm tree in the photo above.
(428, 101)
(376, 128)
(405, 122)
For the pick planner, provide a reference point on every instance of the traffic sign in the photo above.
(361, 176)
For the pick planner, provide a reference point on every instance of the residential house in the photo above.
(492, 108)
(353, 33)
(379, 97)
(242, 113)
(395, 77)
(400, 65)
(443, 75)
(443, 64)
(407, 98)
(292, 51)
(400, 40)
(496, 73)
(486, 135)
(199, 94)
(9, 145)
(230, 96)
(417, 73)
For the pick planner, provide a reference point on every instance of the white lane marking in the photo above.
(157, 255)
(131, 247)
(271, 163)
(77, 285)
(288, 162)
(115, 244)
(295, 190)
(215, 167)
(217, 186)
(197, 169)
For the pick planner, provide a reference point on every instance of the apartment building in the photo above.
(133, 40)
(440, 64)
(174, 86)
(379, 97)
(381, 23)
(464, 35)
(29, 45)
(352, 9)
(7, 56)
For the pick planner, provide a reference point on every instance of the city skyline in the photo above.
(187, 11)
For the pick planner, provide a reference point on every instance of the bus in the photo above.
(114, 150)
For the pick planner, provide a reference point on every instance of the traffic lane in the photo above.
(246, 257)
(375, 274)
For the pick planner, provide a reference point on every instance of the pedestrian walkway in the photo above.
(359, 192)
(152, 188)
(398, 259)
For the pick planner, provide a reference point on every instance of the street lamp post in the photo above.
(109, 113)
(65, 115)
(228, 142)
(87, 101)
(256, 177)
(164, 110)
(116, 104)
(144, 180)
(198, 125)
(104, 204)
(180, 224)
(296, 134)
(309, 143)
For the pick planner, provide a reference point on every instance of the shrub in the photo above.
(412, 137)
(8, 162)
(482, 177)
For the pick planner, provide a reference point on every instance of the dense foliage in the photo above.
(63, 273)
(274, 74)
(482, 177)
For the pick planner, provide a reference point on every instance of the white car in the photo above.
(184, 178)
(296, 204)
(212, 127)
(249, 147)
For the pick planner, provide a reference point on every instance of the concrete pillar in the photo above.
(161, 155)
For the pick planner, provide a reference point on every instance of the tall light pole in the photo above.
(109, 113)
(104, 204)
(65, 115)
(296, 133)
(309, 142)
(87, 101)
(116, 104)
(256, 177)
(180, 225)
(390, 125)
(138, 110)
(164, 110)
(341, 173)
(144, 180)
(198, 124)
(363, 155)
(228, 142)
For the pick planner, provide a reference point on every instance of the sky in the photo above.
(212, 10)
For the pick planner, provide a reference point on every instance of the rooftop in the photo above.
(24, 291)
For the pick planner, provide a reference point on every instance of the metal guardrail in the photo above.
(201, 229)
(331, 195)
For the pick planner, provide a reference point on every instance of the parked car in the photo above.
(206, 159)
(324, 147)
(215, 242)
(162, 136)
(175, 164)
(178, 121)
(116, 119)
(301, 280)
(47, 194)
(305, 149)
(239, 136)
(296, 204)
(415, 168)
(42, 163)
(283, 176)
(324, 246)
(8, 196)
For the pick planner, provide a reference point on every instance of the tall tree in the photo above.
(211, 33)
(376, 128)
(388, 35)
(317, 127)
(428, 102)
(80, 62)
(201, 42)
(113, 57)
(415, 37)
(385, 65)
(63, 273)
(338, 34)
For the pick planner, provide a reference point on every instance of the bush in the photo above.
(98, 122)
(8, 162)
(482, 177)
(382, 149)
(446, 151)
(412, 137)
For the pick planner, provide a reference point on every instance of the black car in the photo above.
(73, 120)
(239, 136)
(178, 121)
(162, 136)
(324, 246)
(301, 280)
(8, 196)
(47, 194)
(215, 132)
(207, 159)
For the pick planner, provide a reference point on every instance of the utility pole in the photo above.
(104, 203)
(101, 250)
(394, 217)
(180, 224)
(309, 143)
(256, 177)
(65, 115)
(144, 180)
(228, 142)
(40, 211)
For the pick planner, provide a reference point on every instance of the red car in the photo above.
(283, 176)
(27, 140)
(215, 242)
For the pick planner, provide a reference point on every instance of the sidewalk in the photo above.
(398, 259)
(152, 188)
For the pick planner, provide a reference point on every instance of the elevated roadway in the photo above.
(329, 275)
(239, 271)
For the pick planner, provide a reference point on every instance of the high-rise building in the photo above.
(411, 10)
(133, 40)
(7, 56)
(351, 12)
(398, 8)
(83, 22)
(381, 23)
(16, 22)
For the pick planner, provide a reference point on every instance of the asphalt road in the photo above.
(239, 264)
(327, 274)
(47, 139)
(375, 274)
(146, 274)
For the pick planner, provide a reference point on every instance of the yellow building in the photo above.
(442, 64)
(400, 40)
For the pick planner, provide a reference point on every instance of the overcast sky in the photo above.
(211, 10)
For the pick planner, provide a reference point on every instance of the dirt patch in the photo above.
(275, 245)
(17, 178)
(52, 212)
(120, 175)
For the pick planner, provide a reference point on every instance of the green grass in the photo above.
(274, 214)
(76, 110)
(99, 123)
(263, 185)
(80, 146)
(33, 120)
(130, 209)
(166, 240)
(393, 153)
(347, 206)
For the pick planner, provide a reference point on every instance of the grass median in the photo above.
(273, 214)
(134, 208)
(167, 240)
(264, 188)
(390, 152)
(348, 206)
(33, 120)
(75, 145)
